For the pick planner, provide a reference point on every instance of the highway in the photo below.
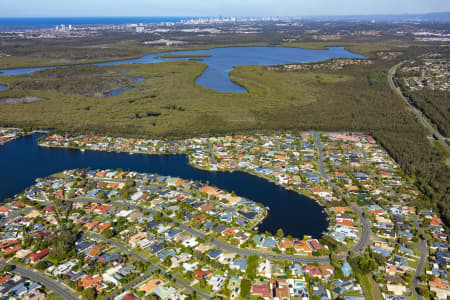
(415, 111)
(36, 276)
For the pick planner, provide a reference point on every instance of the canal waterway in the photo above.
(22, 161)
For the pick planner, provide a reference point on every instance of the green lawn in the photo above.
(53, 296)
(206, 290)
(369, 286)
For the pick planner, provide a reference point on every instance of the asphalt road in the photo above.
(365, 226)
(423, 249)
(414, 110)
(16, 214)
(321, 165)
(224, 246)
(365, 231)
(21, 212)
(51, 284)
(128, 286)
(152, 266)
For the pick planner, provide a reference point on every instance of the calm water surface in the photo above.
(22, 161)
(222, 61)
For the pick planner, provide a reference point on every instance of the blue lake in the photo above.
(3, 87)
(22, 161)
(222, 61)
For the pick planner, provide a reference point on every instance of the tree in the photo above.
(109, 233)
(245, 288)
(334, 259)
(41, 265)
(424, 292)
(89, 294)
(8, 268)
(234, 242)
(280, 233)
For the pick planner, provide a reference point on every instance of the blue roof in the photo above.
(214, 253)
(383, 252)
(241, 263)
(405, 250)
(346, 269)
(269, 243)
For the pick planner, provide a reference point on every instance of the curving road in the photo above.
(414, 110)
(152, 267)
(224, 246)
(51, 284)
(128, 286)
(365, 231)
(365, 226)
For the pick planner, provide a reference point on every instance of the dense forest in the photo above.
(86, 80)
(356, 98)
(435, 105)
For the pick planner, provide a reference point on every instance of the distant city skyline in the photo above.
(253, 8)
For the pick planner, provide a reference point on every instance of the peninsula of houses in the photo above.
(126, 235)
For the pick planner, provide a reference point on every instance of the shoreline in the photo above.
(249, 172)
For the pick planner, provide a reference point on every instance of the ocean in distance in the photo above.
(51, 22)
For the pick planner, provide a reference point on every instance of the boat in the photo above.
(268, 208)
(82, 150)
(131, 153)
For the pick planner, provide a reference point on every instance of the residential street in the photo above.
(51, 284)
(362, 244)
(152, 266)
(423, 249)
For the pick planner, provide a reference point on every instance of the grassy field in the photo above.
(369, 286)
(53, 296)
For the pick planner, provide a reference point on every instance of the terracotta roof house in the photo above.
(261, 290)
(286, 244)
(315, 245)
(151, 285)
(199, 274)
(312, 271)
(37, 256)
(89, 281)
(439, 283)
(302, 246)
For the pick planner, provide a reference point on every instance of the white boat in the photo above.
(82, 150)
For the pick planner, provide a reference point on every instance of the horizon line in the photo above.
(231, 15)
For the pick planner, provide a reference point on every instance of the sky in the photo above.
(257, 8)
